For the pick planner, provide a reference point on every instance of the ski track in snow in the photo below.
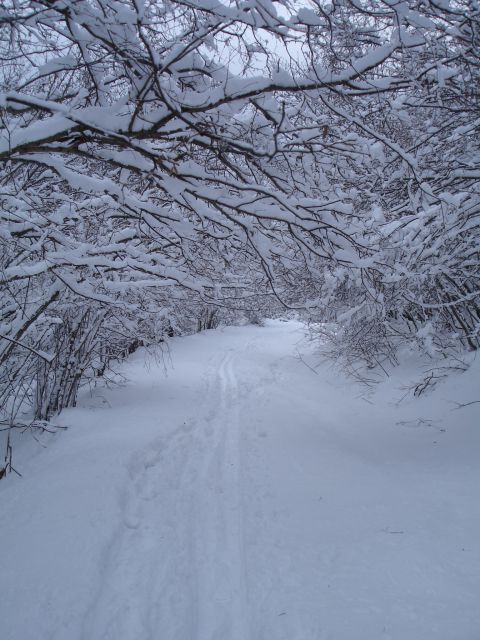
(219, 546)
(177, 561)
(244, 498)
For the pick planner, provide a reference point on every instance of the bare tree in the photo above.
(154, 152)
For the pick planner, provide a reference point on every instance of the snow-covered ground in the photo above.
(243, 497)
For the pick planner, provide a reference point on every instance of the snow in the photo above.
(244, 497)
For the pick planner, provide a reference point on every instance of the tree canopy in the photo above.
(156, 154)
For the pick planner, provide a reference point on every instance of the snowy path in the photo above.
(245, 498)
(182, 566)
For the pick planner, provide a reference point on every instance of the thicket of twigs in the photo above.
(162, 160)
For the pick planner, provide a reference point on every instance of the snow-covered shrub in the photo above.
(254, 317)
(174, 167)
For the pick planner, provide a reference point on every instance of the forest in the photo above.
(239, 319)
(168, 165)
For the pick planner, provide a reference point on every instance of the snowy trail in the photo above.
(218, 509)
(181, 568)
(245, 498)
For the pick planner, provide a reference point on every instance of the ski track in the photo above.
(177, 560)
(244, 498)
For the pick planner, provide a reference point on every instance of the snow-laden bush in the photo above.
(160, 158)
